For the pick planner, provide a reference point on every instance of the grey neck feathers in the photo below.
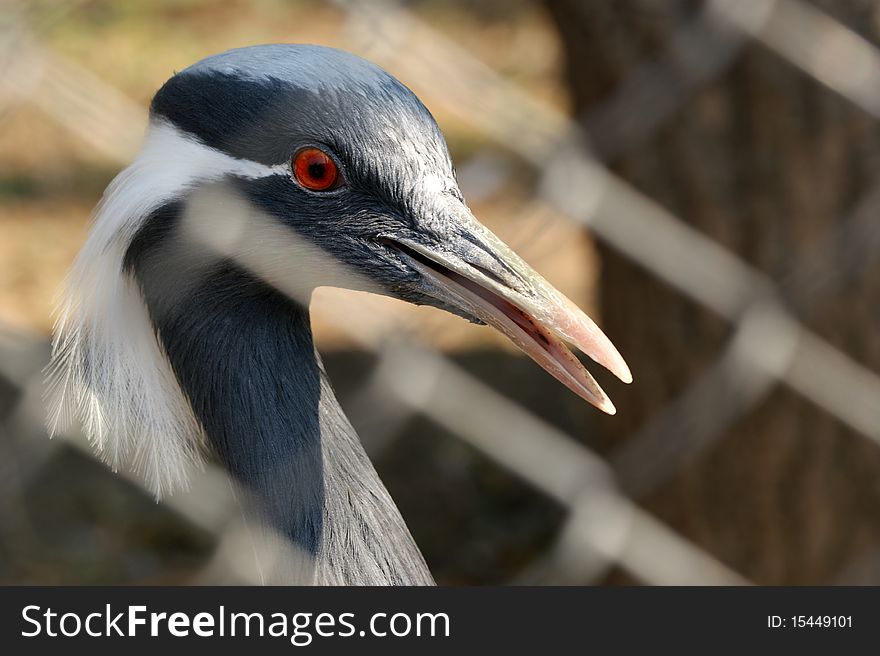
(244, 357)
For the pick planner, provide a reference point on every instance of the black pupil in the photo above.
(318, 170)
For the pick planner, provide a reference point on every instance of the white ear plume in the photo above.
(108, 369)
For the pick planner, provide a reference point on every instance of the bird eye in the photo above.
(315, 170)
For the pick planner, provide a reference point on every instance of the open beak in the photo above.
(477, 272)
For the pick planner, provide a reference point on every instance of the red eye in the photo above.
(314, 169)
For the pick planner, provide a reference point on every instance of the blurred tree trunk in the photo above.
(767, 162)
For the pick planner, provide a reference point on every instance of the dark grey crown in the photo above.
(260, 103)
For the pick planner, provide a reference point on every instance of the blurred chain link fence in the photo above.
(603, 526)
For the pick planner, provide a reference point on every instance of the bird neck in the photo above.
(244, 357)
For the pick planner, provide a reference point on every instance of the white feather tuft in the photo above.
(108, 369)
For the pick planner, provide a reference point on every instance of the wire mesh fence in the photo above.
(592, 494)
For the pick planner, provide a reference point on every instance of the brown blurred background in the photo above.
(724, 156)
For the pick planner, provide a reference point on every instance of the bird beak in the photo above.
(477, 272)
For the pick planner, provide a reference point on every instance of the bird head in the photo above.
(336, 152)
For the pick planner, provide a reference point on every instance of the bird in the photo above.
(183, 330)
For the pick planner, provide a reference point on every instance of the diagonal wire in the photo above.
(698, 266)
(630, 221)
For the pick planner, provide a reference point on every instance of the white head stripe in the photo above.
(108, 368)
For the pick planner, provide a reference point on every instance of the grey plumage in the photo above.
(372, 543)
(185, 324)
